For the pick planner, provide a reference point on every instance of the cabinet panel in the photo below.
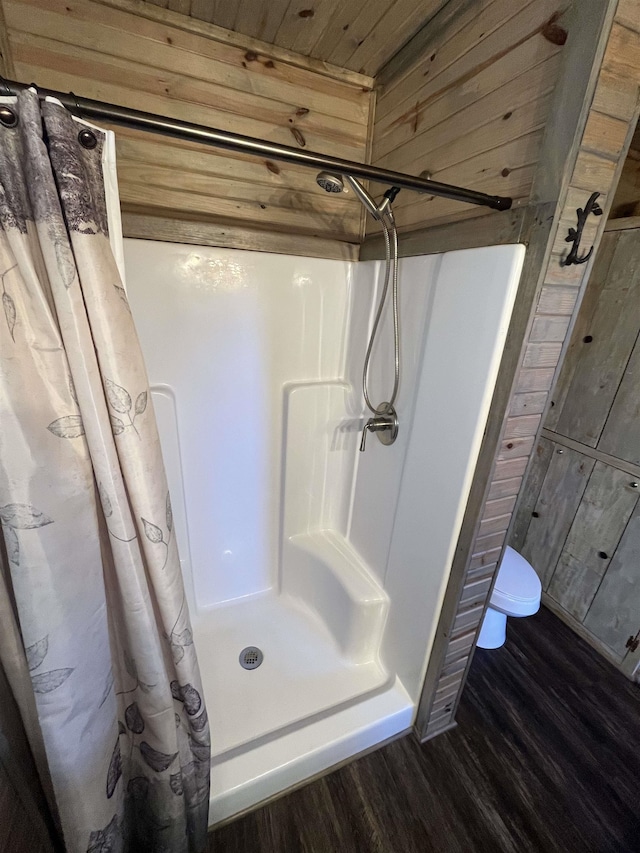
(535, 478)
(600, 521)
(557, 503)
(606, 346)
(621, 435)
(615, 612)
(599, 274)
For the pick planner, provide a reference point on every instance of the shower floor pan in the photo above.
(304, 709)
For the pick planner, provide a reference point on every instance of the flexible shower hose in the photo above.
(391, 262)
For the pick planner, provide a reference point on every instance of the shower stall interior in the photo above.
(332, 563)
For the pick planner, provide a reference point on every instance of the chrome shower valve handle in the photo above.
(385, 424)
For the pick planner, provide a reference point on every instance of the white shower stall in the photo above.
(331, 561)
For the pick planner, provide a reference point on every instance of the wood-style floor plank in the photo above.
(545, 759)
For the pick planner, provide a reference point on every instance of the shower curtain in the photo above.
(95, 634)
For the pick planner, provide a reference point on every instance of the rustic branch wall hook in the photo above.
(575, 234)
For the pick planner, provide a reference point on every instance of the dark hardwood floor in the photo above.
(546, 757)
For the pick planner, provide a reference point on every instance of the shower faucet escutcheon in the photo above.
(384, 423)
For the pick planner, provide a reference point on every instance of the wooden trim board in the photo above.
(592, 452)
(623, 224)
(232, 236)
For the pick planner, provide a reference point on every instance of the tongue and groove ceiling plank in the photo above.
(361, 35)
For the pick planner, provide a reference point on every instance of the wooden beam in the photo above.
(228, 235)
(420, 43)
(581, 62)
(622, 224)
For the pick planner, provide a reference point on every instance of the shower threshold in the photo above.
(305, 708)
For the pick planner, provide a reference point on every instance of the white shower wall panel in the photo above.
(223, 331)
(333, 562)
(379, 473)
(469, 309)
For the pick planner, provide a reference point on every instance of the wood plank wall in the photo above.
(578, 521)
(471, 107)
(359, 34)
(109, 53)
(597, 164)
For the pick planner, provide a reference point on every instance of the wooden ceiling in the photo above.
(361, 35)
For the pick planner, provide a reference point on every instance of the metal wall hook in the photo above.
(575, 234)
(6, 86)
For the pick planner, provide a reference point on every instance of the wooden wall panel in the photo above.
(111, 54)
(360, 34)
(597, 528)
(472, 105)
(606, 344)
(595, 419)
(558, 501)
(613, 616)
(621, 435)
(549, 293)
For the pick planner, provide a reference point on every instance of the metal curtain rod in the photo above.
(139, 120)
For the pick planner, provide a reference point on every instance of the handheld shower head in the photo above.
(364, 196)
(334, 184)
(329, 182)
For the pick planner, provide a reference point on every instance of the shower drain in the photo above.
(251, 657)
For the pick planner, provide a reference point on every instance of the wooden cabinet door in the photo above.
(615, 612)
(566, 479)
(603, 346)
(599, 523)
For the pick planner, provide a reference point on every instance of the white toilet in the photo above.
(516, 592)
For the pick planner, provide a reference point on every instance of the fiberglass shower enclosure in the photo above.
(330, 561)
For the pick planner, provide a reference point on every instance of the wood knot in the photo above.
(306, 13)
(299, 138)
(553, 32)
(269, 64)
(505, 172)
(272, 167)
(251, 56)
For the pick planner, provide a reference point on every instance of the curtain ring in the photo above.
(86, 137)
(8, 116)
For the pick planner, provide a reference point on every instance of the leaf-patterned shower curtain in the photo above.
(94, 577)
